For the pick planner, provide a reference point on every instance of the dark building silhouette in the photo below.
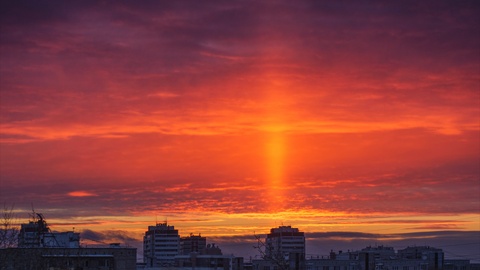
(385, 258)
(212, 249)
(111, 258)
(40, 248)
(193, 243)
(37, 234)
(434, 257)
(208, 262)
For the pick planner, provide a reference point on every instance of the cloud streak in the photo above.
(116, 70)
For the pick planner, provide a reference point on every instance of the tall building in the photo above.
(193, 243)
(285, 240)
(286, 244)
(161, 244)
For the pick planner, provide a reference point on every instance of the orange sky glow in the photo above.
(347, 120)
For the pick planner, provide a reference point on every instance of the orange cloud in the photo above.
(81, 193)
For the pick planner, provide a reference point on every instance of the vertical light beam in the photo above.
(276, 159)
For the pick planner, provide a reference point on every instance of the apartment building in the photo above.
(161, 244)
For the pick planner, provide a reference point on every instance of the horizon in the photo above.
(455, 244)
(354, 122)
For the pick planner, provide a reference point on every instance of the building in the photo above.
(161, 244)
(433, 257)
(212, 249)
(288, 244)
(385, 258)
(111, 258)
(40, 248)
(285, 241)
(284, 249)
(193, 243)
(457, 265)
(327, 264)
(208, 262)
(372, 257)
(37, 234)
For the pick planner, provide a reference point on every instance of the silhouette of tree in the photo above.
(8, 235)
(267, 252)
(9, 230)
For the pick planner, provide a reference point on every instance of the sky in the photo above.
(356, 122)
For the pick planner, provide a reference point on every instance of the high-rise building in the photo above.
(286, 244)
(161, 244)
(193, 243)
(285, 240)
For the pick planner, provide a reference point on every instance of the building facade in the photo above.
(161, 244)
(37, 234)
(433, 257)
(285, 240)
(193, 243)
(285, 247)
(208, 262)
(112, 258)
(384, 258)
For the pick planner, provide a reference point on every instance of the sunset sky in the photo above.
(357, 122)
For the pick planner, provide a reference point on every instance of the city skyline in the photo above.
(355, 122)
(282, 248)
(254, 247)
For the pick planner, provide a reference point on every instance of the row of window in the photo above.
(166, 245)
(163, 250)
(355, 267)
(167, 240)
(165, 254)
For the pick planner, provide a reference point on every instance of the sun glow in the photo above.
(276, 127)
(276, 155)
(276, 163)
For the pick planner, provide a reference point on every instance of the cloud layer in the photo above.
(354, 111)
